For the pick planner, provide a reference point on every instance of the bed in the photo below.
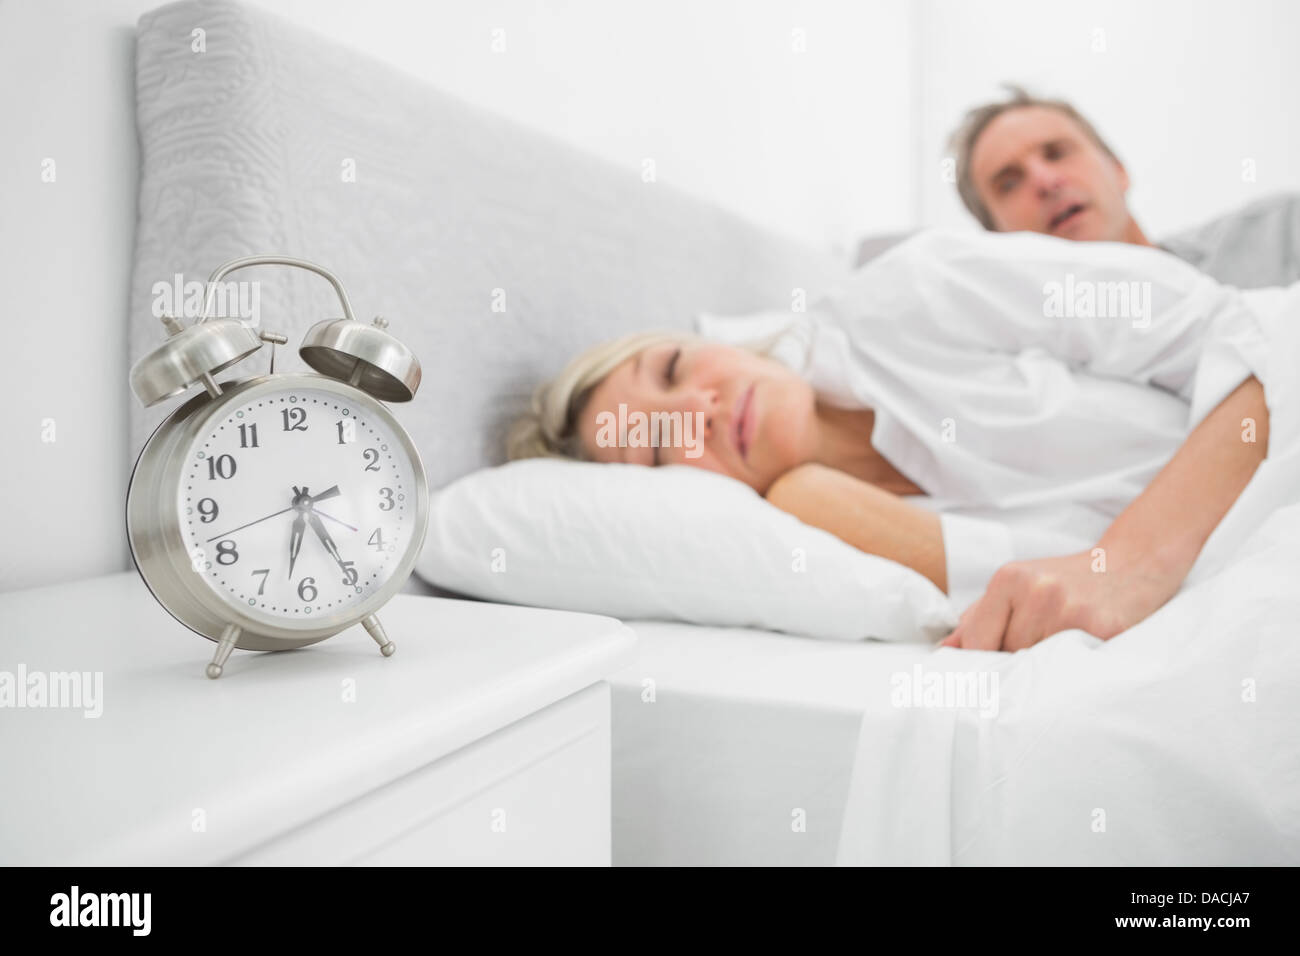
(735, 746)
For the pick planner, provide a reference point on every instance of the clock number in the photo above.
(372, 464)
(226, 549)
(263, 572)
(208, 510)
(248, 436)
(377, 539)
(295, 419)
(347, 431)
(349, 573)
(387, 495)
(305, 585)
(221, 467)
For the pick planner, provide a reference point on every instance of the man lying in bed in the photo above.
(1033, 164)
(958, 365)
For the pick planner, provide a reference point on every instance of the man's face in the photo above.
(1037, 170)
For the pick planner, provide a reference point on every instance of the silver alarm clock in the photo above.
(272, 512)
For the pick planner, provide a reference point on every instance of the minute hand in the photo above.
(330, 546)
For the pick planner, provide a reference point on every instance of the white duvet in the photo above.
(1174, 743)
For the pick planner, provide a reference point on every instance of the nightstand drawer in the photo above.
(534, 792)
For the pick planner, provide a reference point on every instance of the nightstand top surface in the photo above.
(272, 740)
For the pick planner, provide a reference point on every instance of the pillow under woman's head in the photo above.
(670, 543)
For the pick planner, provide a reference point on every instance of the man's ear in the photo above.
(1123, 176)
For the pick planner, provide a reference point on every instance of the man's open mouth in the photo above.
(1065, 215)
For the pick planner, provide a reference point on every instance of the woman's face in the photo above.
(712, 406)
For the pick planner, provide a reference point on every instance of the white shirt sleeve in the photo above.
(1131, 312)
(973, 549)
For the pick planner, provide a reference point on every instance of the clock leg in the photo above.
(377, 632)
(224, 647)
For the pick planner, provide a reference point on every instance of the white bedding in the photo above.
(745, 728)
(740, 729)
(1175, 743)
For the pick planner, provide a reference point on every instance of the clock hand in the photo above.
(349, 574)
(295, 540)
(335, 520)
(324, 535)
(329, 493)
(250, 524)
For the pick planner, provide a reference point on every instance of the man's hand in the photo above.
(1146, 552)
(1027, 601)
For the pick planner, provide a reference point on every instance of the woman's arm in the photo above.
(1145, 554)
(869, 518)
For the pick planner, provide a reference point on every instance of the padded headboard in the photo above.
(492, 250)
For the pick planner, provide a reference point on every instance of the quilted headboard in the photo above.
(494, 251)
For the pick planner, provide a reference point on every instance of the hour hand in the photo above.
(332, 492)
(295, 540)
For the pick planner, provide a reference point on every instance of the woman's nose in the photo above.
(705, 401)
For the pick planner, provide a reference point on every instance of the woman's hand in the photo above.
(1027, 601)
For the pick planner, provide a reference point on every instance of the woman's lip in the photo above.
(744, 422)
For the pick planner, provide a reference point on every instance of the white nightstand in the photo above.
(484, 739)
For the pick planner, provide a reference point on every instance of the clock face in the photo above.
(298, 504)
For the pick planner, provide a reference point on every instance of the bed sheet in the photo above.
(735, 746)
(1176, 743)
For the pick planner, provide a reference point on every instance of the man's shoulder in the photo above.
(1279, 207)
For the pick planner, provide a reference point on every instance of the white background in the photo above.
(825, 145)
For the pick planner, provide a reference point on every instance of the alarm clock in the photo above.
(271, 512)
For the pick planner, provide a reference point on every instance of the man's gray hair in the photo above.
(962, 142)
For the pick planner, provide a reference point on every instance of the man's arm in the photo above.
(1145, 553)
(869, 518)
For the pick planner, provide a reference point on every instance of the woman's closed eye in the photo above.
(671, 368)
(669, 371)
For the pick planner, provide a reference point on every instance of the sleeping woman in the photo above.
(964, 405)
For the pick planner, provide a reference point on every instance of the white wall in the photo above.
(1182, 90)
(806, 143)
(65, 260)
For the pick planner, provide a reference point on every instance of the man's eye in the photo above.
(1006, 184)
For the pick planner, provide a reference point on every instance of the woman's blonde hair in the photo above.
(550, 427)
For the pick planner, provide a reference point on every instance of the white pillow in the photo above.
(672, 543)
